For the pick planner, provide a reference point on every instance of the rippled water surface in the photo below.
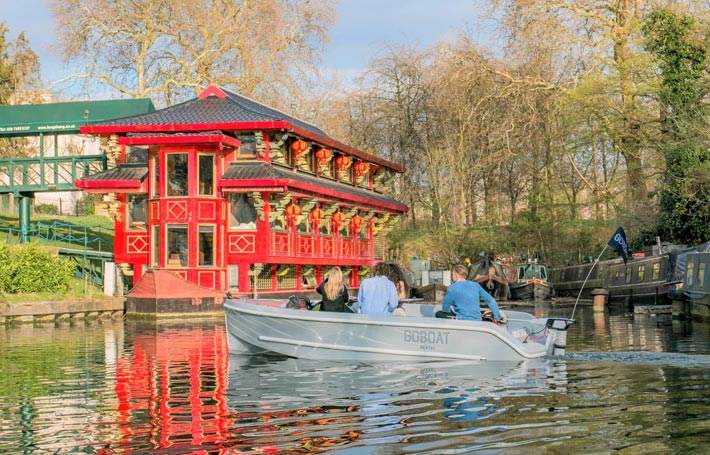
(119, 387)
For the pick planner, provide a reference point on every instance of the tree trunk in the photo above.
(629, 143)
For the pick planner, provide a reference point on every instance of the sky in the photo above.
(362, 30)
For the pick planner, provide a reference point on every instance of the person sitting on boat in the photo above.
(377, 294)
(335, 294)
(462, 300)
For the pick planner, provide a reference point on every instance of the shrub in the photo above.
(46, 209)
(32, 268)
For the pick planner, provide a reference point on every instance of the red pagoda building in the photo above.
(230, 194)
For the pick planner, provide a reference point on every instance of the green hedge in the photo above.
(32, 268)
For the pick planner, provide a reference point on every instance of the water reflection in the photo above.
(115, 387)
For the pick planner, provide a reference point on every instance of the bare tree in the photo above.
(168, 49)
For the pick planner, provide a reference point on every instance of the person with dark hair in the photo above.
(377, 294)
(463, 298)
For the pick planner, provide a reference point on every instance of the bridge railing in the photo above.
(92, 238)
(47, 173)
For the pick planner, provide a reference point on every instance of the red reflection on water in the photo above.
(171, 389)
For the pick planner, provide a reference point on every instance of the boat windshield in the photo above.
(532, 271)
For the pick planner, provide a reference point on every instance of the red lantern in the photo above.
(356, 222)
(298, 146)
(322, 154)
(317, 214)
(342, 162)
(338, 217)
(361, 168)
(292, 210)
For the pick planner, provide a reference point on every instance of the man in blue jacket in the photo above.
(463, 297)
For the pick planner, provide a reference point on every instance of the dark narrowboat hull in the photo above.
(537, 290)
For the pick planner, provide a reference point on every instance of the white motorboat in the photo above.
(261, 325)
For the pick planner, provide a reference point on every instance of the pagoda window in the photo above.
(206, 246)
(324, 227)
(155, 182)
(155, 246)
(205, 174)
(176, 175)
(247, 146)
(242, 213)
(177, 245)
(136, 212)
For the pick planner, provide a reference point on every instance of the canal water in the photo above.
(639, 384)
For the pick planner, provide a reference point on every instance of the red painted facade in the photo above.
(311, 209)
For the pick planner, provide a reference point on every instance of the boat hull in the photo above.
(531, 291)
(256, 328)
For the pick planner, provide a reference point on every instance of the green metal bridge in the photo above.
(25, 176)
(38, 174)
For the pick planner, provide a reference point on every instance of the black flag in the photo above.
(618, 242)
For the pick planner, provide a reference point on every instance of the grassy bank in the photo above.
(99, 231)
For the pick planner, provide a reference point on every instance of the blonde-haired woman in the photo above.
(335, 294)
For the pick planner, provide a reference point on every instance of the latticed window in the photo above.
(379, 241)
(137, 211)
(263, 280)
(286, 277)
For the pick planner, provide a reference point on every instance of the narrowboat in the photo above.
(642, 280)
(695, 286)
(531, 283)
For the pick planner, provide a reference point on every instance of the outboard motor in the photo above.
(557, 335)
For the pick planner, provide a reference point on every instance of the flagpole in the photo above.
(585, 280)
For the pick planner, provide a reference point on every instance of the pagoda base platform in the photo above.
(161, 293)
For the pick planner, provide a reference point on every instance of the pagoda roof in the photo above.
(219, 109)
(260, 174)
(217, 106)
(123, 176)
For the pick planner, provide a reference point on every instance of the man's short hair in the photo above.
(460, 270)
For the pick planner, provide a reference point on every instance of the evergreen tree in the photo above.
(681, 52)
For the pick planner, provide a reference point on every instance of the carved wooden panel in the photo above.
(176, 210)
(242, 243)
(155, 210)
(364, 246)
(206, 210)
(346, 247)
(137, 243)
(281, 244)
(305, 245)
(326, 246)
(206, 278)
